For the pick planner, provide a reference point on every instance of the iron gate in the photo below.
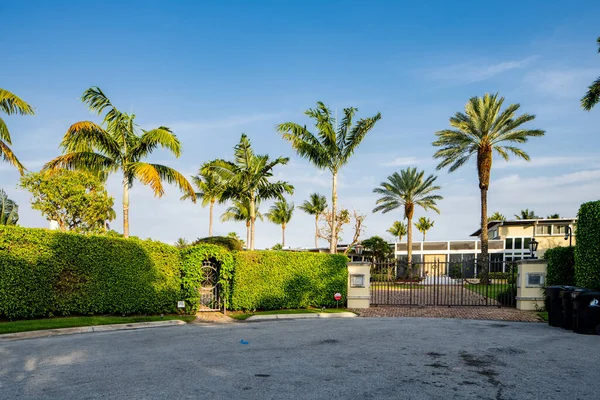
(444, 284)
(210, 293)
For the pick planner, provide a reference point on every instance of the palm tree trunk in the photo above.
(252, 222)
(282, 235)
(424, 234)
(125, 208)
(247, 234)
(333, 243)
(317, 231)
(408, 213)
(484, 237)
(210, 219)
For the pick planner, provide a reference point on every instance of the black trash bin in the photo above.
(554, 303)
(567, 304)
(586, 312)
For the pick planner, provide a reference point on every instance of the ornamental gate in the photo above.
(210, 293)
(440, 283)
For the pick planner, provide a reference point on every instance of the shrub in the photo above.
(44, 273)
(561, 266)
(455, 271)
(279, 279)
(507, 297)
(231, 244)
(587, 248)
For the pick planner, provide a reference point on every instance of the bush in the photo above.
(561, 266)
(587, 248)
(229, 243)
(455, 271)
(45, 273)
(507, 297)
(279, 279)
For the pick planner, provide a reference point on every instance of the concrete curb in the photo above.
(87, 329)
(301, 316)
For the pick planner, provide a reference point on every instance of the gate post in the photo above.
(531, 280)
(359, 282)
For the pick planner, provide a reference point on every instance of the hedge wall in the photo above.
(278, 279)
(561, 266)
(587, 248)
(45, 273)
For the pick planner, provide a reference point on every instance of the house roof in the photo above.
(525, 222)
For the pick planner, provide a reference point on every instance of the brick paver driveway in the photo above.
(441, 295)
(489, 313)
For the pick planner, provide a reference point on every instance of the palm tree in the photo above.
(423, 225)
(315, 206)
(526, 214)
(235, 236)
(11, 104)
(497, 217)
(9, 210)
(210, 190)
(482, 129)
(247, 179)
(398, 230)
(407, 189)
(331, 148)
(553, 216)
(280, 213)
(240, 211)
(592, 96)
(118, 147)
(181, 243)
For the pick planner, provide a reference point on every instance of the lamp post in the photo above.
(569, 235)
(533, 245)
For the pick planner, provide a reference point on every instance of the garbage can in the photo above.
(554, 303)
(586, 312)
(567, 304)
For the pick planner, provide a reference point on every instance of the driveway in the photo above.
(355, 358)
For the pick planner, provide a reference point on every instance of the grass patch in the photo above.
(72, 322)
(491, 290)
(241, 315)
(543, 315)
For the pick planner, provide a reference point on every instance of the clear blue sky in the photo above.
(211, 70)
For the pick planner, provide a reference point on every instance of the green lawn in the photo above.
(543, 315)
(240, 315)
(71, 322)
(491, 290)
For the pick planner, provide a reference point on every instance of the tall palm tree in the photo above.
(11, 104)
(247, 178)
(526, 214)
(316, 205)
(592, 96)
(408, 189)
(240, 211)
(331, 147)
(280, 213)
(423, 225)
(117, 146)
(398, 230)
(482, 129)
(497, 217)
(9, 210)
(210, 189)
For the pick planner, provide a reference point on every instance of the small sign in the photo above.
(337, 296)
(181, 304)
(357, 281)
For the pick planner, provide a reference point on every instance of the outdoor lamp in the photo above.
(358, 248)
(568, 234)
(533, 245)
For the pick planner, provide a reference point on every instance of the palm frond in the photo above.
(154, 175)
(152, 139)
(89, 161)
(592, 96)
(8, 156)
(9, 210)
(86, 136)
(357, 134)
(12, 104)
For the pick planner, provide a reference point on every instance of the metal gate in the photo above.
(210, 299)
(444, 284)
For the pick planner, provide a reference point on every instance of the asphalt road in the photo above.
(355, 358)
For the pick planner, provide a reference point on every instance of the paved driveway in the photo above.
(355, 358)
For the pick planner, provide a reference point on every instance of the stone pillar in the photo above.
(359, 281)
(531, 280)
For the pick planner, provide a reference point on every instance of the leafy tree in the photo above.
(117, 146)
(280, 213)
(423, 225)
(408, 189)
(210, 190)
(76, 200)
(497, 217)
(9, 210)
(553, 216)
(11, 104)
(482, 129)
(181, 243)
(277, 246)
(240, 211)
(377, 249)
(398, 230)
(331, 147)
(592, 96)
(526, 214)
(247, 178)
(316, 205)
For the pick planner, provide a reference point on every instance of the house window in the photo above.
(543, 229)
(509, 243)
(526, 242)
(559, 229)
(518, 243)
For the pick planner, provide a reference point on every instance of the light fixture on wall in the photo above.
(533, 245)
(569, 235)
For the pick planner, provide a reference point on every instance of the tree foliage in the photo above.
(423, 225)
(377, 249)
(76, 200)
(9, 210)
(526, 214)
(315, 206)
(497, 216)
(11, 104)
(592, 96)
(281, 213)
(398, 230)
(210, 189)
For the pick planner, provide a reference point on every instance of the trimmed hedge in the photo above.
(227, 242)
(280, 279)
(561, 266)
(45, 273)
(587, 248)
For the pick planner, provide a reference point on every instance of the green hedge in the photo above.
(561, 266)
(227, 242)
(587, 248)
(45, 273)
(279, 279)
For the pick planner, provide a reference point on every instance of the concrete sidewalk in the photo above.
(301, 316)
